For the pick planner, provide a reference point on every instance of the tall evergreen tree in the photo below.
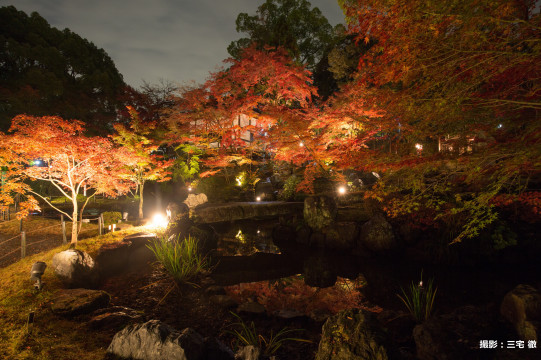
(46, 71)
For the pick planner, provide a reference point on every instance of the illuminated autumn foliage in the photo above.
(265, 85)
(142, 162)
(444, 104)
(67, 159)
(293, 294)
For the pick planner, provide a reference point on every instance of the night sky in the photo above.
(175, 40)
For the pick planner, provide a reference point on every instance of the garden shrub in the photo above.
(216, 188)
(111, 217)
(289, 192)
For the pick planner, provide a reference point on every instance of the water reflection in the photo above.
(291, 296)
(244, 238)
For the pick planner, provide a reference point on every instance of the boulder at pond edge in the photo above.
(351, 335)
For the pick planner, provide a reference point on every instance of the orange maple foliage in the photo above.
(69, 161)
(264, 84)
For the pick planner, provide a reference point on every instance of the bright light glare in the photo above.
(301, 144)
(189, 188)
(258, 198)
(419, 146)
(159, 221)
(342, 190)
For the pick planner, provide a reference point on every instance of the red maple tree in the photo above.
(68, 160)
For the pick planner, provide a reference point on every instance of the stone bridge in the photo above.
(214, 213)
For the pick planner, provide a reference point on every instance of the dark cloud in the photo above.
(176, 40)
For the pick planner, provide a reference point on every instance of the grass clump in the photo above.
(247, 335)
(420, 299)
(182, 259)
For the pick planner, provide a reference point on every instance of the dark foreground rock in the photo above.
(75, 268)
(351, 335)
(522, 308)
(455, 335)
(249, 352)
(155, 340)
(72, 302)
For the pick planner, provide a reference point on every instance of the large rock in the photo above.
(248, 352)
(155, 340)
(359, 212)
(522, 307)
(319, 211)
(251, 307)
(195, 200)
(173, 210)
(72, 302)
(351, 335)
(453, 336)
(75, 268)
(377, 234)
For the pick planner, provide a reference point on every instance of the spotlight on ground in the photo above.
(159, 221)
(35, 274)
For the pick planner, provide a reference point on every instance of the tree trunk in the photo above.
(141, 186)
(74, 224)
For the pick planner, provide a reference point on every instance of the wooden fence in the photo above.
(23, 235)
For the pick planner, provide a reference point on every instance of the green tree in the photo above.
(46, 71)
(144, 163)
(291, 24)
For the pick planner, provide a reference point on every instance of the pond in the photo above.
(297, 286)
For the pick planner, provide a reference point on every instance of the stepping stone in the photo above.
(73, 302)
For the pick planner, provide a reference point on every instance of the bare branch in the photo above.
(51, 205)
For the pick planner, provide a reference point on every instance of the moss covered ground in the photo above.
(49, 337)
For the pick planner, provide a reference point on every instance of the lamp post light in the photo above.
(342, 190)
